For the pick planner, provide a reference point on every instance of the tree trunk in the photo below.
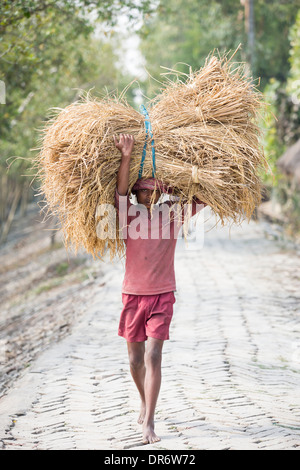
(3, 197)
(250, 31)
(24, 198)
(10, 217)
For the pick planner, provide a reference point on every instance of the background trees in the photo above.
(187, 30)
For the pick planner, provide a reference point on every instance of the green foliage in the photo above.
(273, 20)
(186, 31)
(293, 82)
(273, 146)
(283, 129)
(79, 12)
(183, 32)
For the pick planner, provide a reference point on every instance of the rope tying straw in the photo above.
(148, 128)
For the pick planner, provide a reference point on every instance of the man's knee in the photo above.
(153, 355)
(136, 361)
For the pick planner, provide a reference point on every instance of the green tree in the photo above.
(282, 125)
(187, 31)
(183, 32)
(293, 81)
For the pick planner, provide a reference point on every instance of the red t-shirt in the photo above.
(150, 241)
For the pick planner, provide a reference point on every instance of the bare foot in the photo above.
(149, 436)
(142, 414)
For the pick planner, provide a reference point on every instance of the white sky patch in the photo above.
(126, 43)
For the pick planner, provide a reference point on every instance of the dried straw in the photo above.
(207, 144)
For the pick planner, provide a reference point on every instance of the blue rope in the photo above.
(148, 128)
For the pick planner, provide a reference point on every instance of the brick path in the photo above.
(231, 370)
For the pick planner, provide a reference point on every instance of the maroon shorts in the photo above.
(146, 315)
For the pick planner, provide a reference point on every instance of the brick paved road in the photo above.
(231, 370)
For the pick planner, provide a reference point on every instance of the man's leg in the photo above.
(136, 353)
(152, 384)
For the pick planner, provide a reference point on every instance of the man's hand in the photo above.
(125, 145)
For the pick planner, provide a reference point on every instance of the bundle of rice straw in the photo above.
(207, 144)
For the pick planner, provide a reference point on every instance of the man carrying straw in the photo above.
(149, 282)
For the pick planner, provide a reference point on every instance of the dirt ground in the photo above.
(35, 275)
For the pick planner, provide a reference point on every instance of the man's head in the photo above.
(144, 189)
(144, 196)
